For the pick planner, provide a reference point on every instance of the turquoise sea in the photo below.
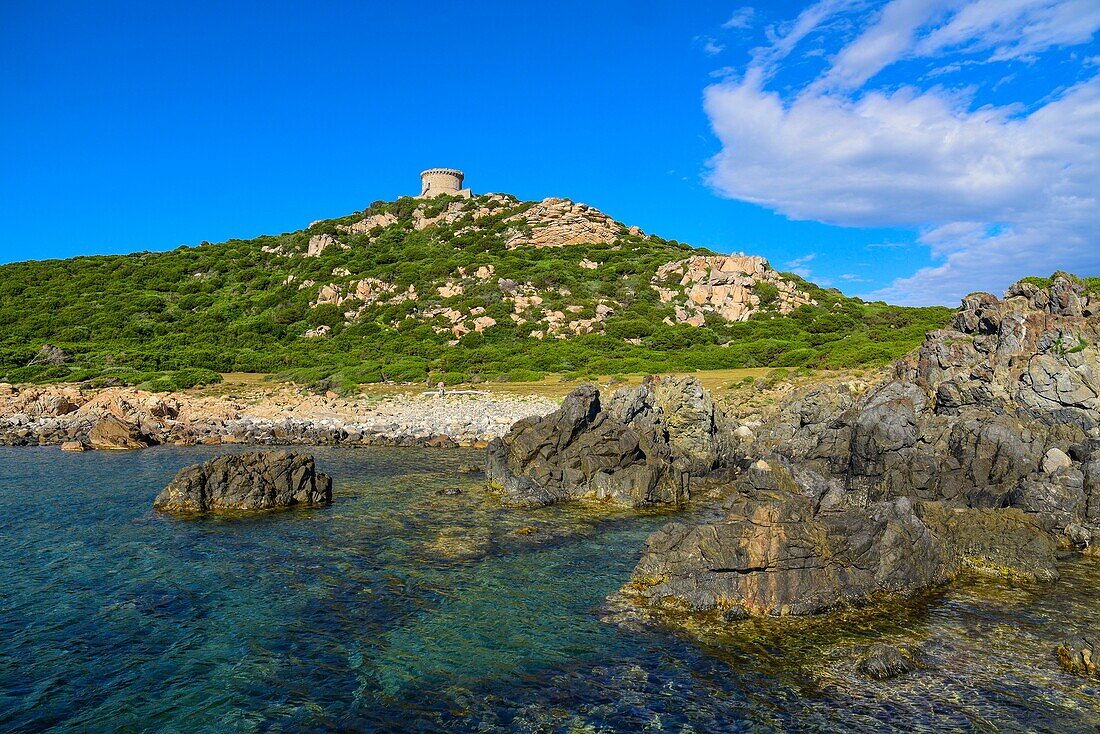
(399, 609)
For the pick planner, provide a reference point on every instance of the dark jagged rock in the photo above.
(999, 410)
(257, 480)
(979, 453)
(1081, 656)
(882, 662)
(640, 449)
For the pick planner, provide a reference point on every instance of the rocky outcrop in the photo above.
(257, 480)
(639, 448)
(559, 222)
(775, 553)
(980, 453)
(733, 287)
(367, 224)
(1001, 410)
(114, 433)
(318, 243)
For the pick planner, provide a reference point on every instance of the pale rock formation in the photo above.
(322, 331)
(364, 226)
(557, 222)
(318, 243)
(367, 290)
(484, 322)
(450, 289)
(724, 285)
(330, 293)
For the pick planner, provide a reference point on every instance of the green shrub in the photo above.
(190, 377)
(766, 292)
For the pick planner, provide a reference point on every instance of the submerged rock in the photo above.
(257, 480)
(1080, 656)
(882, 662)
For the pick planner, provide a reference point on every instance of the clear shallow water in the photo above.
(401, 610)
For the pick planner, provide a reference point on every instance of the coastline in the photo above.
(259, 414)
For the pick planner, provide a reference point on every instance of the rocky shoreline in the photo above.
(121, 417)
(980, 453)
(977, 454)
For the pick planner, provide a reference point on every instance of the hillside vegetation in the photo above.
(446, 289)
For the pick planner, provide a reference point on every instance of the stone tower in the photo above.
(438, 181)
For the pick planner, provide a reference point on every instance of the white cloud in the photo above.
(995, 192)
(1014, 28)
(891, 36)
(907, 158)
(784, 39)
(798, 265)
(712, 47)
(741, 18)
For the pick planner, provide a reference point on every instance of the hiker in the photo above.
(440, 390)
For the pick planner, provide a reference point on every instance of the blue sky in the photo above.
(912, 150)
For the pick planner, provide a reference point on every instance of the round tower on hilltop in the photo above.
(439, 181)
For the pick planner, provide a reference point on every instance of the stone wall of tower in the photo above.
(439, 181)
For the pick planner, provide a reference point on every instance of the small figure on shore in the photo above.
(440, 389)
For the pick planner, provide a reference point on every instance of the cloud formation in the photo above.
(995, 191)
(741, 19)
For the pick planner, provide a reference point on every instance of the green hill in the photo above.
(443, 289)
